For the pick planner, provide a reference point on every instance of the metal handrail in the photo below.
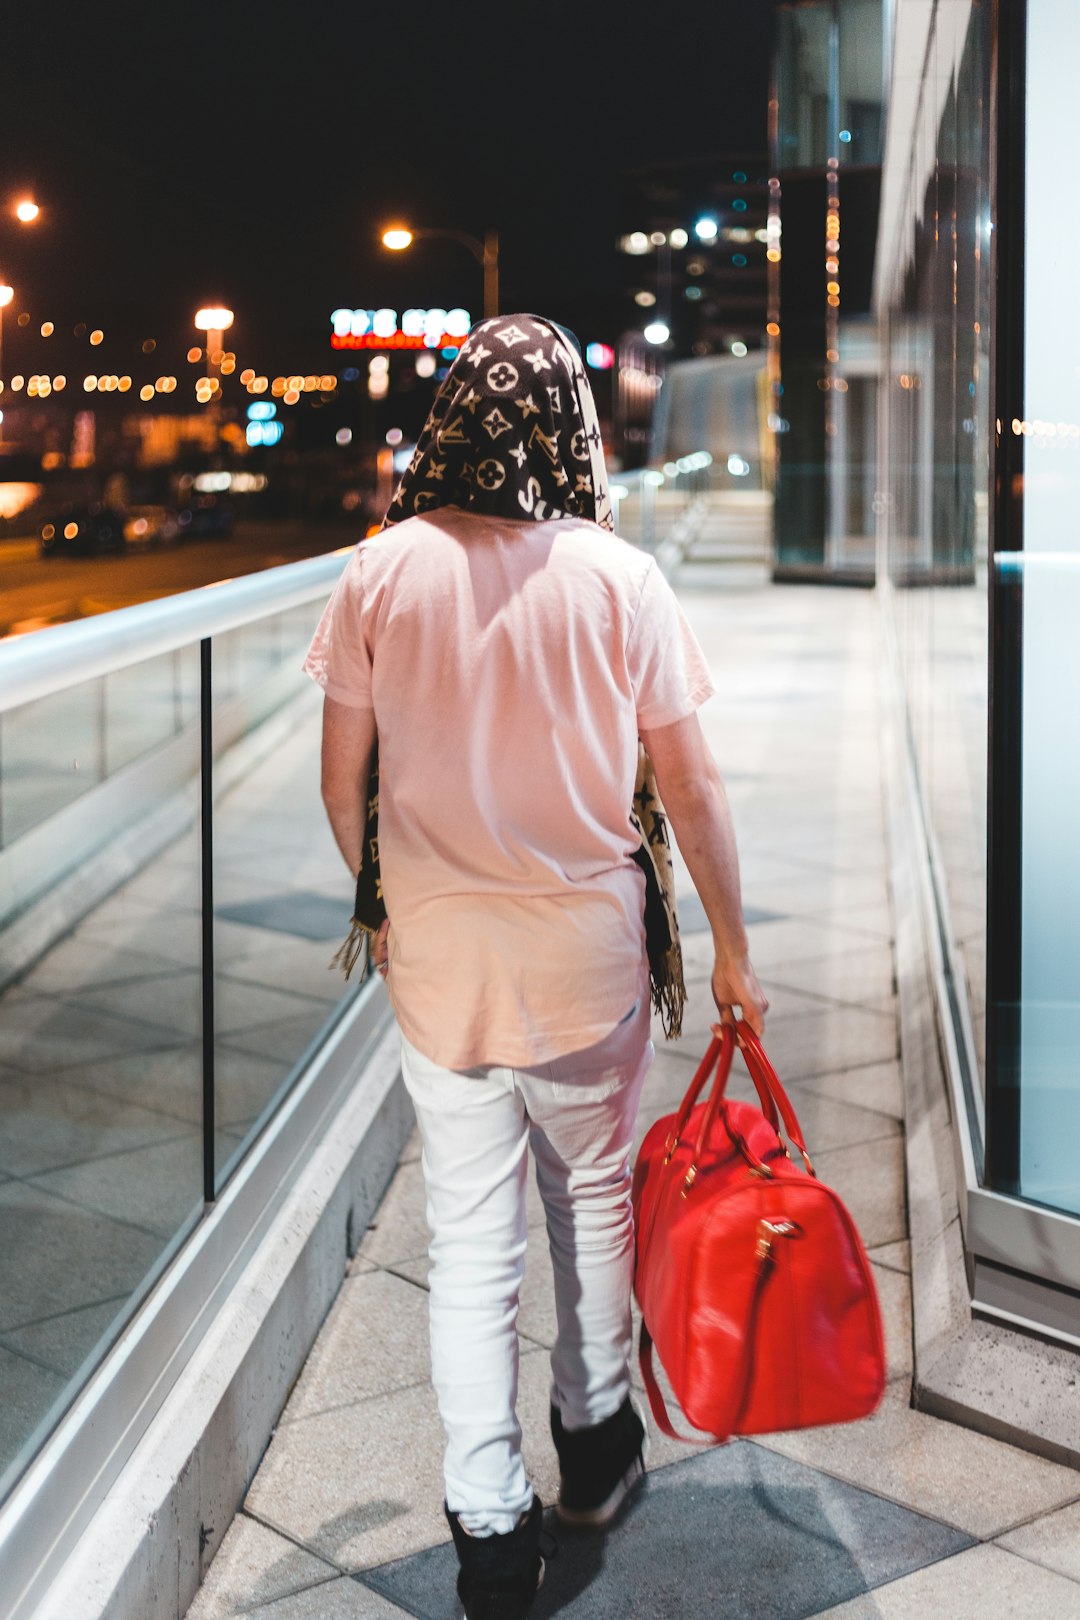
(52, 660)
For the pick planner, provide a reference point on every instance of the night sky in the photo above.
(188, 152)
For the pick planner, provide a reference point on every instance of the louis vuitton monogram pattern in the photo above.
(512, 432)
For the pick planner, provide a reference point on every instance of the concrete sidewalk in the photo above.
(902, 1515)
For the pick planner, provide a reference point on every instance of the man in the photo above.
(508, 653)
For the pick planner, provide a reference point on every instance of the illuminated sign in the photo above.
(601, 356)
(418, 329)
(264, 432)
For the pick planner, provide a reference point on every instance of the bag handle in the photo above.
(765, 1077)
(720, 1051)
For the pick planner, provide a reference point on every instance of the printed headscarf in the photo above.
(513, 433)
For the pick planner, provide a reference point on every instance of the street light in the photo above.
(26, 211)
(6, 295)
(215, 321)
(486, 253)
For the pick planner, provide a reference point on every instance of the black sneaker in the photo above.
(598, 1467)
(499, 1574)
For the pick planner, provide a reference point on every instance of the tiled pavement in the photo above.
(101, 1065)
(902, 1515)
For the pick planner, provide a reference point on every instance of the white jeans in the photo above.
(579, 1114)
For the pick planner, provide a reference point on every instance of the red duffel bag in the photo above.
(752, 1279)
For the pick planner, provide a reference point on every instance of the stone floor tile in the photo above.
(794, 939)
(980, 1485)
(47, 1122)
(343, 1599)
(859, 977)
(877, 1086)
(982, 1583)
(173, 1002)
(62, 1342)
(287, 1037)
(28, 1393)
(894, 1297)
(240, 1006)
(413, 1148)
(825, 1042)
(122, 922)
(725, 1532)
(42, 1034)
(297, 965)
(893, 1256)
(244, 1083)
(1053, 1540)
(82, 959)
(374, 1340)
(398, 1230)
(252, 1567)
(363, 1484)
(870, 1179)
(819, 893)
(57, 1256)
(154, 1188)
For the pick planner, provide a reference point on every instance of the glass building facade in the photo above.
(962, 444)
(827, 129)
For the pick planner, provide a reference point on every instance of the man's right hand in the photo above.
(735, 984)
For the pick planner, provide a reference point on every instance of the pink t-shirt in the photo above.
(510, 666)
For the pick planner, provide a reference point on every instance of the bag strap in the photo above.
(765, 1264)
(764, 1075)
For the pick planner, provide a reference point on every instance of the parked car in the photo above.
(84, 531)
(206, 517)
(152, 525)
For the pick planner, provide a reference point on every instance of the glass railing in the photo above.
(652, 503)
(170, 900)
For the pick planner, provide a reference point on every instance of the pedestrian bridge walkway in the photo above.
(903, 1515)
(213, 1348)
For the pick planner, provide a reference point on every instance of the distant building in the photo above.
(693, 240)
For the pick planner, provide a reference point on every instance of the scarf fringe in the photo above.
(669, 991)
(347, 957)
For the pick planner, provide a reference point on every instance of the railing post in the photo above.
(206, 781)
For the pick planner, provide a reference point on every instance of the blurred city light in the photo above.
(343, 436)
(47, 328)
(601, 356)
(261, 411)
(678, 238)
(657, 238)
(425, 365)
(394, 437)
(264, 432)
(738, 348)
(27, 211)
(97, 336)
(705, 228)
(6, 295)
(657, 332)
(215, 318)
(645, 298)
(637, 242)
(737, 467)
(397, 238)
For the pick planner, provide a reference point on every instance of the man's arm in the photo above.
(348, 745)
(693, 796)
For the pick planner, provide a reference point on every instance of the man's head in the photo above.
(512, 432)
